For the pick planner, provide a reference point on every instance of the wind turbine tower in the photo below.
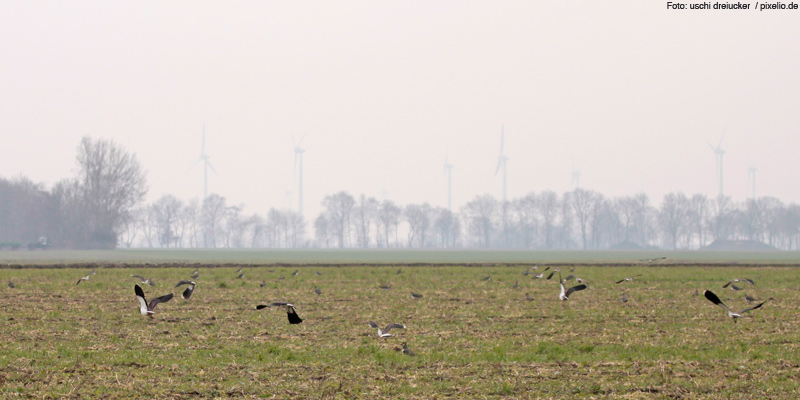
(576, 178)
(751, 175)
(502, 160)
(298, 165)
(720, 152)
(206, 163)
(448, 171)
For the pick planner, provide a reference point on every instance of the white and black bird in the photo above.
(195, 274)
(189, 290)
(317, 272)
(297, 271)
(85, 278)
(290, 311)
(240, 276)
(714, 299)
(143, 280)
(11, 285)
(146, 308)
(263, 284)
(487, 277)
(407, 351)
(565, 293)
(384, 333)
(416, 295)
(628, 279)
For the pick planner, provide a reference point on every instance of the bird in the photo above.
(696, 293)
(628, 279)
(624, 298)
(85, 278)
(528, 297)
(280, 278)
(295, 272)
(407, 351)
(384, 333)
(516, 285)
(317, 291)
(290, 311)
(714, 299)
(188, 292)
(569, 277)
(241, 274)
(384, 287)
(750, 299)
(734, 287)
(652, 260)
(540, 276)
(317, 272)
(11, 284)
(263, 283)
(195, 274)
(416, 295)
(239, 270)
(551, 275)
(144, 281)
(399, 271)
(565, 293)
(487, 277)
(146, 308)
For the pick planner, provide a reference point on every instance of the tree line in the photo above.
(102, 207)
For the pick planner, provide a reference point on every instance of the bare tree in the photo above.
(365, 212)
(584, 204)
(547, 207)
(525, 210)
(389, 220)
(166, 212)
(212, 216)
(321, 231)
(481, 214)
(419, 221)
(111, 182)
(447, 226)
(339, 209)
(672, 217)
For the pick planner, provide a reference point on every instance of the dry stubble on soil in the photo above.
(473, 338)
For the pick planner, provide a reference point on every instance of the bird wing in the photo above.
(261, 306)
(292, 314)
(391, 326)
(714, 299)
(752, 308)
(575, 289)
(163, 299)
(138, 277)
(280, 304)
(372, 324)
(188, 292)
(727, 284)
(184, 282)
(750, 281)
(142, 300)
(620, 281)
(734, 287)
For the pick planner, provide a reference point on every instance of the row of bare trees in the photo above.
(101, 207)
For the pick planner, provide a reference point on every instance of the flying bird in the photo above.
(146, 308)
(652, 260)
(188, 292)
(628, 279)
(143, 280)
(734, 287)
(407, 351)
(714, 299)
(564, 295)
(85, 278)
(290, 311)
(384, 333)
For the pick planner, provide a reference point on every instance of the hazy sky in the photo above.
(627, 92)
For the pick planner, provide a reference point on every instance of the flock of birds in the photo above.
(147, 308)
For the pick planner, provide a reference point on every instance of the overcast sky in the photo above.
(627, 92)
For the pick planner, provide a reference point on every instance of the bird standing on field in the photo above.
(407, 351)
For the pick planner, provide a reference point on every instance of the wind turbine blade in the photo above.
(502, 138)
(723, 137)
(712, 146)
(203, 146)
(210, 166)
(295, 160)
(195, 163)
(301, 140)
(499, 163)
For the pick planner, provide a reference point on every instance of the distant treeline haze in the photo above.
(102, 208)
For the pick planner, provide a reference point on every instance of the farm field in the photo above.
(473, 338)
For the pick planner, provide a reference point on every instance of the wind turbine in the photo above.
(448, 171)
(298, 160)
(501, 163)
(576, 178)
(751, 175)
(206, 163)
(720, 152)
